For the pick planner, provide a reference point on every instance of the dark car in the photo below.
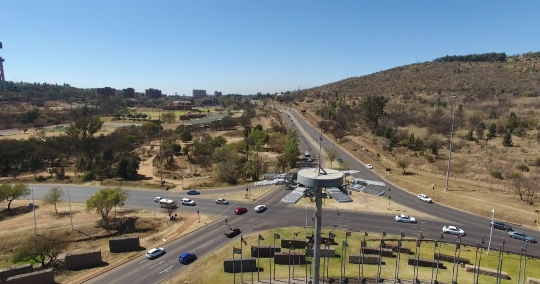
(231, 232)
(240, 210)
(187, 257)
(521, 236)
(501, 226)
(193, 192)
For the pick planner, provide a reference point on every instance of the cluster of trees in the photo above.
(10, 192)
(484, 57)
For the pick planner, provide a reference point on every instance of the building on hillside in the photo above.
(153, 93)
(107, 91)
(199, 93)
(128, 92)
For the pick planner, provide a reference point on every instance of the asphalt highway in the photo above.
(205, 240)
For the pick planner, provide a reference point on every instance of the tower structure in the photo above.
(2, 77)
(318, 179)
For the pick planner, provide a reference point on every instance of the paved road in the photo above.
(211, 237)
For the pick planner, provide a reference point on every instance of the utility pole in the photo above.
(451, 140)
(34, 209)
(70, 215)
(160, 158)
(2, 77)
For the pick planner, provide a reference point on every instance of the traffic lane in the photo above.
(141, 270)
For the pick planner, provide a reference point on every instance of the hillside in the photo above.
(402, 119)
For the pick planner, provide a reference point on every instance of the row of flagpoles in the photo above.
(434, 272)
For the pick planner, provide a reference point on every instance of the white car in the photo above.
(155, 252)
(425, 198)
(405, 219)
(369, 166)
(260, 208)
(187, 201)
(222, 201)
(157, 199)
(453, 230)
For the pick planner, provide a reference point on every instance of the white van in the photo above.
(167, 203)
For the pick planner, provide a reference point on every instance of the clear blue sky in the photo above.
(247, 46)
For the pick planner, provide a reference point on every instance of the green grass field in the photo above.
(212, 264)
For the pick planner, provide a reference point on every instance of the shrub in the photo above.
(524, 168)
(429, 158)
(88, 176)
(496, 174)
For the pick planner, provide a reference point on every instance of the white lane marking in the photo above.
(167, 270)
(227, 208)
(143, 261)
(156, 264)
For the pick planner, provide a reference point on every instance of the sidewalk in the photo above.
(332, 281)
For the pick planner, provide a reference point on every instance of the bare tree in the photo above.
(519, 184)
(531, 187)
(170, 209)
(53, 197)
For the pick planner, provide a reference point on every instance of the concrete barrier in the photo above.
(299, 244)
(246, 265)
(368, 259)
(450, 258)
(533, 280)
(13, 271)
(124, 244)
(324, 252)
(264, 251)
(290, 258)
(425, 262)
(77, 261)
(38, 277)
(486, 271)
(386, 252)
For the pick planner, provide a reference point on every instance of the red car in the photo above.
(240, 210)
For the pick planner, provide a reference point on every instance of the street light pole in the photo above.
(160, 157)
(451, 140)
(34, 209)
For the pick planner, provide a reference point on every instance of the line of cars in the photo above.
(184, 258)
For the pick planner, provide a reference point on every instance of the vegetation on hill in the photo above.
(490, 100)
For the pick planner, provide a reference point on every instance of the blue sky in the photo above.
(247, 47)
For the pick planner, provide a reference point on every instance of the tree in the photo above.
(53, 197)
(403, 164)
(176, 148)
(257, 137)
(531, 187)
(123, 195)
(128, 166)
(507, 140)
(480, 130)
(492, 131)
(372, 109)
(103, 201)
(202, 153)
(218, 141)
(518, 182)
(331, 155)
(44, 248)
(168, 117)
(83, 131)
(10, 192)
(513, 122)
(170, 209)
(292, 148)
(185, 136)
(435, 144)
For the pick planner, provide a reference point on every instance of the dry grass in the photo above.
(212, 264)
(153, 229)
(471, 186)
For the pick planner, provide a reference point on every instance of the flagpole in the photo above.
(519, 270)
(438, 259)
(234, 271)
(241, 260)
(396, 277)
(70, 215)
(525, 265)
(480, 259)
(491, 231)
(345, 259)
(258, 256)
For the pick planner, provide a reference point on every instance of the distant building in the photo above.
(107, 91)
(217, 94)
(179, 105)
(199, 93)
(128, 92)
(153, 93)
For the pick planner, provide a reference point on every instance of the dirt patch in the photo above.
(151, 227)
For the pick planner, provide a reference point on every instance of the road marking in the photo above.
(156, 264)
(167, 270)
(228, 208)
(143, 261)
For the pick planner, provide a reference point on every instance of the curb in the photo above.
(122, 263)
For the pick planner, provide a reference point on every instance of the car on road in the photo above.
(187, 201)
(155, 252)
(193, 192)
(453, 230)
(310, 160)
(231, 232)
(187, 258)
(369, 166)
(340, 160)
(306, 153)
(222, 201)
(424, 198)
(405, 219)
(521, 236)
(500, 225)
(157, 199)
(240, 210)
(260, 208)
